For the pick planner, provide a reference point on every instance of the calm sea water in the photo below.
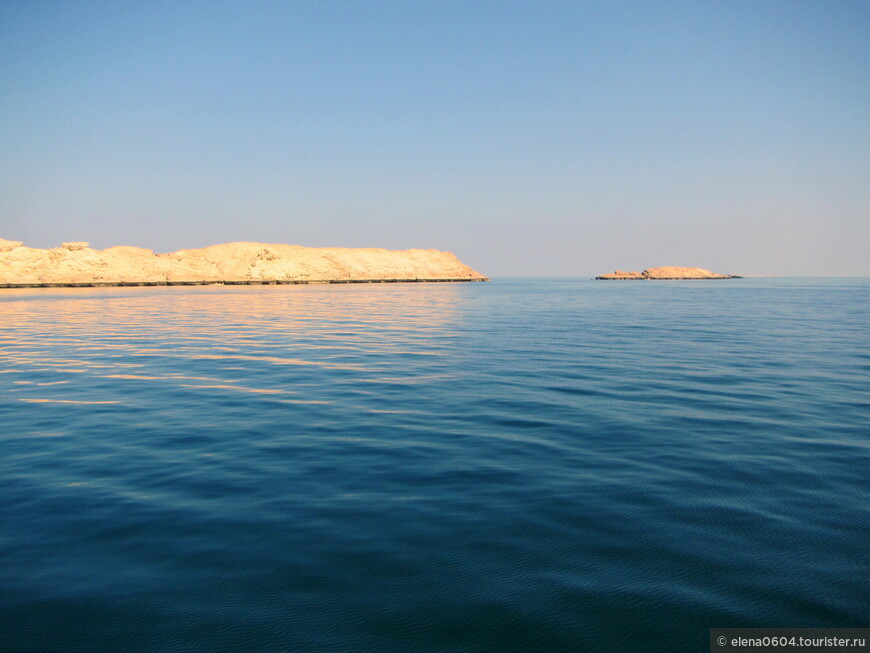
(529, 464)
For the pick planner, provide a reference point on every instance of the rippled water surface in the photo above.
(513, 466)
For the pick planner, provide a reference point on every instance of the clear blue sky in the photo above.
(531, 138)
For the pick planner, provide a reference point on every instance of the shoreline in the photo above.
(241, 282)
(612, 278)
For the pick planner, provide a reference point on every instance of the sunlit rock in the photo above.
(667, 272)
(75, 263)
(6, 245)
(75, 246)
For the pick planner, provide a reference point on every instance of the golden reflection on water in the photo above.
(110, 333)
(161, 378)
(263, 391)
(65, 401)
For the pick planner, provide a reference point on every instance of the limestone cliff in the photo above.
(75, 263)
(667, 272)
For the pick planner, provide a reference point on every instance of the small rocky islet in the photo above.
(665, 273)
(77, 264)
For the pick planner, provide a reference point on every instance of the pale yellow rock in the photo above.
(6, 245)
(668, 272)
(77, 263)
(128, 251)
(671, 272)
(621, 274)
(75, 246)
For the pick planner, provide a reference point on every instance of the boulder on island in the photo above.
(75, 246)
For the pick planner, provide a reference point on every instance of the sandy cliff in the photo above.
(668, 272)
(75, 263)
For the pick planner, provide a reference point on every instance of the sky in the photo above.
(529, 138)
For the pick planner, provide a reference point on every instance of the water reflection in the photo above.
(68, 345)
(65, 401)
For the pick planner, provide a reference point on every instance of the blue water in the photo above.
(528, 464)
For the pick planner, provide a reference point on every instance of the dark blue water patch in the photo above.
(521, 465)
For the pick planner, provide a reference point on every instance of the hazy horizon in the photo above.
(554, 139)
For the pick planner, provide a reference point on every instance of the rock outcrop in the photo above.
(76, 264)
(667, 272)
(6, 245)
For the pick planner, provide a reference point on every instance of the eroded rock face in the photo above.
(75, 263)
(75, 246)
(6, 245)
(668, 272)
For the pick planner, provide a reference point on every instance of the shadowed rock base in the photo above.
(285, 282)
(75, 264)
(664, 274)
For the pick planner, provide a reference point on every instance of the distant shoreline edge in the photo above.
(612, 278)
(244, 282)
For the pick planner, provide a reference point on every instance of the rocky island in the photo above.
(667, 273)
(76, 264)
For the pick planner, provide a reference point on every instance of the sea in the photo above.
(520, 465)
